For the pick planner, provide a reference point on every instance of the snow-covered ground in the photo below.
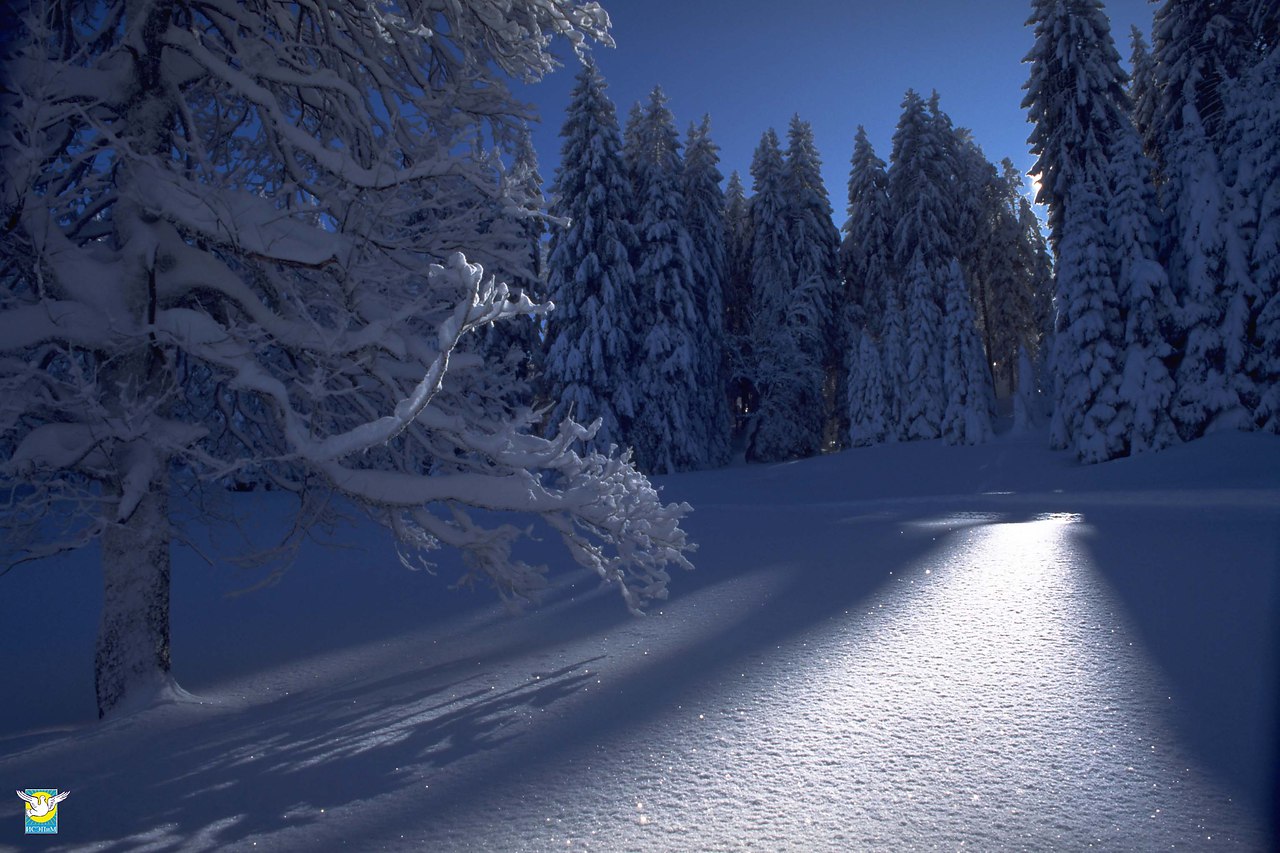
(899, 647)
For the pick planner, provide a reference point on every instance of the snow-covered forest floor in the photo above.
(903, 646)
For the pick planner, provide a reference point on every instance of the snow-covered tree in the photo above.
(1005, 265)
(919, 188)
(591, 338)
(1088, 344)
(965, 378)
(1146, 388)
(1142, 87)
(1201, 49)
(670, 431)
(1258, 169)
(868, 413)
(738, 299)
(1026, 397)
(1200, 46)
(867, 246)
(893, 361)
(1076, 93)
(1211, 281)
(788, 380)
(219, 258)
(921, 394)
(518, 342)
(705, 212)
(1039, 261)
(815, 245)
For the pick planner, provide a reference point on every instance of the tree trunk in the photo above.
(131, 663)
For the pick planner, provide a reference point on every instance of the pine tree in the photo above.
(738, 300)
(1088, 342)
(921, 394)
(631, 151)
(1037, 259)
(705, 220)
(893, 361)
(1259, 170)
(815, 247)
(967, 383)
(984, 238)
(1006, 267)
(591, 337)
(966, 180)
(1142, 88)
(1212, 286)
(786, 378)
(1026, 398)
(1212, 103)
(866, 249)
(919, 185)
(1200, 47)
(1085, 137)
(919, 188)
(670, 431)
(1146, 388)
(868, 410)
(1076, 91)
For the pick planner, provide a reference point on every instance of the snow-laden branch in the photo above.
(219, 224)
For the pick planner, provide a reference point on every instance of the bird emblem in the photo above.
(41, 804)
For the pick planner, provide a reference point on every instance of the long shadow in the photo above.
(224, 780)
(1211, 621)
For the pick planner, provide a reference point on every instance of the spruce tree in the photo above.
(788, 380)
(966, 380)
(893, 361)
(921, 394)
(1039, 261)
(1006, 269)
(738, 299)
(1146, 389)
(1260, 169)
(1142, 88)
(919, 188)
(1211, 286)
(705, 221)
(591, 336)
(866, 249)
(815, 244)
(1088, 342)
(919, 185)
(1076, 91)
(1026, 397)
(670, 431)
(1113, 317)
(1200, 47)
(868, 411)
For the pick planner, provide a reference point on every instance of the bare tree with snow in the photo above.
(231, 245)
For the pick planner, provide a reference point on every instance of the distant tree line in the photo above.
(693, 319)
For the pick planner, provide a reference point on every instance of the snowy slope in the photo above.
(903, 646)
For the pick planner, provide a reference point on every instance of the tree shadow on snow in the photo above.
(1208, 608)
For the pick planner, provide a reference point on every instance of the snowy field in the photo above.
(902, 647)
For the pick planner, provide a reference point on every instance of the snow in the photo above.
(910, 645)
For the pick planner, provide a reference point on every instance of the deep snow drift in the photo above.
(904, 646)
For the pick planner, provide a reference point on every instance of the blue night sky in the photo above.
(751, 64)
